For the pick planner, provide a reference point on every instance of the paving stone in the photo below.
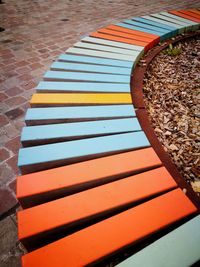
(3, 120)
(14, 91)
(14, 113)
(7, 200)
(13, 144)
(11, 250)
(15, 101)
(4, 154)
(6, 174)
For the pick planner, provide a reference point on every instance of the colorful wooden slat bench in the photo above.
(91, 184)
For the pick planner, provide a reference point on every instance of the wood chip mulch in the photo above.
(172, 97)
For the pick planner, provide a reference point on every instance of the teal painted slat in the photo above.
(95, 60)
(129, 25)
(43, 134)
(178, 248)
(80, 76)
(101, 54)
(90, 68)
(47, 156)
(190, 25)
(72, 114)
(157, 25)
(113, 44)
(92, 87)
(157, 18)
(107, 48)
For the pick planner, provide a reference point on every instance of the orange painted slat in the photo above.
(147, 36)
(46, 185)
(101, 239)
(116, 38)
(195, 11)
(185, 14)
(94, 203)
(127, 34)
(122, 34)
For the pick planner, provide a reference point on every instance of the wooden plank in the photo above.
(78, 67)
(78, 209)
(154, 17)
(194, 11)
(183, 20)
(102, 239)
(80, 76)
(39, 187)
(80, 99)
(127, 33)
(179, 248)
(133, 38)
(156, 24)
(129, 26)
(107, 48)
(186, 14)
(95, 60)
(82, 87)
(115, 38)
(45, 134)
(148, 36)
(113, 44)
(88, 52)
(53, 155)
(37, 116)
(171, 21)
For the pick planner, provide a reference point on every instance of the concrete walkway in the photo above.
(36, 32)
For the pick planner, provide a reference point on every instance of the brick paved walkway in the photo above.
(36, 32)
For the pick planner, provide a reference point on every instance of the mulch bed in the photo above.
(172, 97)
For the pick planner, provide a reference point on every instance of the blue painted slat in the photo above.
(46, 156)
(90, 68)
(178, 248)
(157, 18)
(157, 25)
(83, 87)
(71, 114)
(77, 130)
(95, 60)
(154, 29)
(79, 76)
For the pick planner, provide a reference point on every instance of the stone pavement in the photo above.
(36, 32)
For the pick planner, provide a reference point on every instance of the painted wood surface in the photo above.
(104, 238)
(86, 68)
(95, 60)
(113, 44)
(44, 134)
(130, 26)
(78, 209)
(80, 76)
(186, 14)
(116, 38)
(39, 116)
(47, 185)
(179, 248)
(88, 52)
(53, 155)
(136, 33)
(79, 99)
(154, 17)
(51, 87)
(173, 30)
(106, 48)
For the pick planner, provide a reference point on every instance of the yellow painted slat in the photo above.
(80, 99)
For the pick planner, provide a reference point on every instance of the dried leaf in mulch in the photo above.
(172, 97)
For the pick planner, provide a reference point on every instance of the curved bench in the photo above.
(92, 184)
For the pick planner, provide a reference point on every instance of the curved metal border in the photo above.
(143, 117)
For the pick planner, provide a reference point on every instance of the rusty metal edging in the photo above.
(143, 117)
